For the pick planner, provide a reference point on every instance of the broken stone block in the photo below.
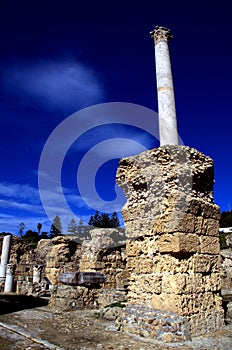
(81, 278)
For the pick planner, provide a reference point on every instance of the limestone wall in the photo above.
(54, 255)
(106, 253)
(226, 255)
(62, 254)
(172, 227)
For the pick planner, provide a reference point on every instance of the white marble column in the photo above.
(166, 100)
(37, 273)
(5, 256)
(9, 281)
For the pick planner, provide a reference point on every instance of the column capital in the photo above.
(161, 34)
(37, 268)
(10, 268)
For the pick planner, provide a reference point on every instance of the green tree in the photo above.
(83, 230)
(39, 226)
(31, 237)
(115, 220)
(44, 235)
(72, 227)
(226, 219)
(56, 227)
(104, 220)
(95, 220)
(21, 228)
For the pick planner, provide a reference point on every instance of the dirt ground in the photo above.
(39, 327)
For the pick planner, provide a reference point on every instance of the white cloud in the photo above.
(60, 84)
(20, 206)
(21, 192)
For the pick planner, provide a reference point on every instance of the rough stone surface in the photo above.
(106, 253)
(162, 325)
(229, 241)
(66, 298)
(226, 257)
(55, 256)
(172, 227)
(63, 255)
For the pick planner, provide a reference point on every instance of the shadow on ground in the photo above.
(14, 302)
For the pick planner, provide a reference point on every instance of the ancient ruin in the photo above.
(172, 228)
(166, 271)
(172, 249)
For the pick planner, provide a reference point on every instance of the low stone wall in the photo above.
(65, 298)
(63, 254)
(147, 322)
(226, 256)
(106, 253)
(54, 256)
(110, 296)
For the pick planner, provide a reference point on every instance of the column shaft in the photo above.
(37, 273)
(9, 282)
(5, 256)
(166, 100)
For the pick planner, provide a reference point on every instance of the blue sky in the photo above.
(58, 58)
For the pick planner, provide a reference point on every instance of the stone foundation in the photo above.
(172, 228)
(149, 323)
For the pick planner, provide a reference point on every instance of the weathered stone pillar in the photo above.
(166, 99)
(9, 282)
(37, 273)
(173, 248)
(5, 256)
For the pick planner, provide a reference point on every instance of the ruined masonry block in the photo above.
(210, 227)
(198, 206)
(203, 263)
(209, 245)
(179, 243)
(172, 227)
(187, 305)
(152, 283)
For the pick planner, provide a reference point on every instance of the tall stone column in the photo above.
(37, 273)
(166, 100)
(9, 282)
(5, 256)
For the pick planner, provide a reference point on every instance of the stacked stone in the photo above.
(63, 255)
(104, 254)
(172, 227)
(226, 255)
(70, 297)
(147, 322)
